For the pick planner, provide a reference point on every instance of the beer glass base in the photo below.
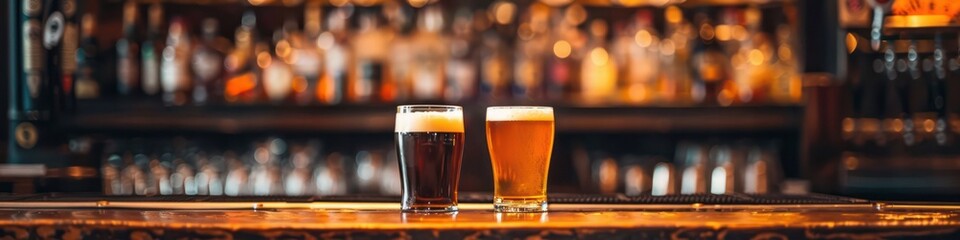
(430, 209)
(519, 205)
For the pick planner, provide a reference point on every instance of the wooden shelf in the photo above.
(680, 119)
(107, 116)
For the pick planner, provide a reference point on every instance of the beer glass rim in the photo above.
(428, 108)
(521, 107)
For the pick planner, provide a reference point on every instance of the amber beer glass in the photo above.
(520, 141)
(429, 147)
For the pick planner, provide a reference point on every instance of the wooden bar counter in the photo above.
(345, 220)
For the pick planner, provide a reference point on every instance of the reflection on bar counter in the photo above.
(314, 53)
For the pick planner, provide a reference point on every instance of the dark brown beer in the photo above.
(430, 166)
(429, 148)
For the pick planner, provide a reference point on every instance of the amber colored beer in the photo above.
(520, 141)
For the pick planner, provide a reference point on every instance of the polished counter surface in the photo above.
(595, 221)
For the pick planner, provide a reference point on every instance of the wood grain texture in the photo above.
(477, 224)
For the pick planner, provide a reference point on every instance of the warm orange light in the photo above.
(240, 84)
(264, 59)
(673, 14)
(724, 32)
(418, 3)
(299, 84)
(929, 125)
(755, 57)
(561, 49)
(283, 49)
(643, 38)
(784, 52)
(725, 98)
(599, 56)
(503, 12)
(851, 43)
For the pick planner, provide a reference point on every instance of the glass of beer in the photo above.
(430, 148)
(520, 141)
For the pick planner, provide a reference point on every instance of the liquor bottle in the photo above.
(598, 69)
(86, 86)
(677, 85)
(641, 78)
(429, 55)
(710, 64)
(40, 89)
(151, 50)
(277, 74)
(206, 65)
(332, 84)
(495, 64)
(533, 41)
(306, 58)
(562, 64)
(240, 64)
(128, 74)
(175, 65)
(462, 64)
(369, 49)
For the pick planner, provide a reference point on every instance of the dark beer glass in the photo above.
(429, 148)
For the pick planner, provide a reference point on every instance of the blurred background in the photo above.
(652, 97)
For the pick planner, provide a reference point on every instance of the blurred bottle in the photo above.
(531, 45)
(306, 58)
(128, 75)
(277, 73)
(206, 63)
(151, 51)
(711, 66)
(87, 85)
(175, 65)
(598, 69)
(369, 47)
(461, 70)
(637, 49)
(240, 64)
(332, 85)
(677, 84)
(562, 61)
(429, 56)
(67, 50)
(496, 68)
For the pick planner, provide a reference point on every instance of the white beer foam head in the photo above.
(449, 122)
(519, 114)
